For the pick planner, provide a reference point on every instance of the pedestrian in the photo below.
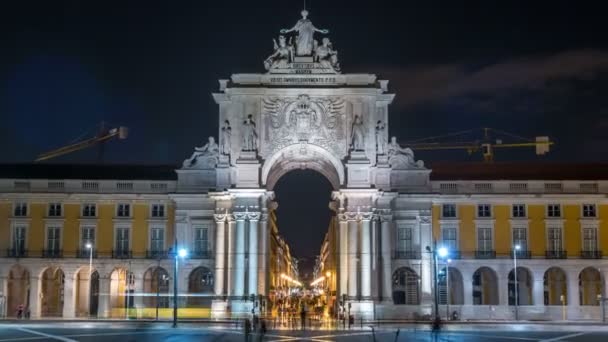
(303, 317)
(247, 329)
(262, 330)
(20, 309)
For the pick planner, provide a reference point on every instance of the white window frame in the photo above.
(46, 235)
(48, 209)
(450, 225)
(583, 210)
(455, 211)
(164, 216)
(484, 217)
(558, 206)
(18, 203)
(481, 223)
(194, 239)
(150, 229)
(400, 248)
(559, 225)
(525, 210)
(82, 228)
(526, 228)
(590, 225)
(114, 240)
(84, 205)
(122, 204)
(14, 226)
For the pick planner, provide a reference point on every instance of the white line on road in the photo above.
(564, 337)
(54, 337)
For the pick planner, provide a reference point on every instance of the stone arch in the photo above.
(555, 284)
(590, 285)
(18, 289)
(406, 286)
(86, 287)
(200, 282)
(302, 156)
(451, 288)
(485, 287)
(156, 287)
(523, 286)
(118, 288)
(52, 292)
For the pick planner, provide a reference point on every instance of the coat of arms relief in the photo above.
(305, 120)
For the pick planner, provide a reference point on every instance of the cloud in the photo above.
(431, 83)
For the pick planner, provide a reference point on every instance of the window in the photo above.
(89, 210)
(589, 210)
(158, 210)
(87, 235)
(122, 239)
(449, 238)
(201, 242)
(53, 239)
(404, 239)
(554, 210)
(20, 209)
(123, 210)
(448, 210)
(554, 235)
(484, 239)
(157, 239)
(589, 239)
(484, 210)
(19, 234)
(55, 209)
(520, 237)
(519, 210)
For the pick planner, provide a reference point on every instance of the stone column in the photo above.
(467, 286)
(352, 257)
(35, 304)
(239, 256)
(253, 253)
(231, 228)
(263, 273)
(104, 297)
(573, 290)
(69, 296)
(365, 264)
(220, 222)
(343, 254)
(538, 290)
(138, 289)
(503, 289)
(387, 287)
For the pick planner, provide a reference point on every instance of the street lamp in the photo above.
(181, 253)
(442, 252)
(89, 246)
(516, 285)
(447, 286)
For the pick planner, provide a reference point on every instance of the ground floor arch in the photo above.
(451, 289)
(406, 287)
(590, 286)
(52, 285)
(18, 290)
(200, 287)
(485, 287)
(122, 284)
(520, 287)
(156, 287)
(87, 292)
(555, 287)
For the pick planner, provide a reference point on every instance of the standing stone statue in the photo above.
(380, 141)
(249, 134)
(357, 135)
(304, 39)
(226, 143)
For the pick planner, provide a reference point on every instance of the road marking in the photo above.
(23, 339)
(564, 337)
(455, 333)
(54, 337)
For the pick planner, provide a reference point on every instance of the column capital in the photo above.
(220, 217)
(365, 216)
(386, 217)
(264, 217)
(254, 215)
(425, 219)
(240, 215)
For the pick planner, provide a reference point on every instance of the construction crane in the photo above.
(102, 136)
(487, 145)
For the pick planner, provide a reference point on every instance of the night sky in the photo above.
(520, 66)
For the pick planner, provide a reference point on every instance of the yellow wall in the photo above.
(71, 228)
(537, 240)
(572, 229)
(37, 225)
(603, 231)
(502, 229)
(436, 214)
(105, 227)
(468, 240)
(5, 229)
(139, 229)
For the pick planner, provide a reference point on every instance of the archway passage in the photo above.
(156, 288)
(200, 287)
(119, 289)
(590, 286)
(451, 289)
(52, 285)
(406, 289)
(485, 287)
(555, 287)
(87, 292)
(523, 286)
(18, 290)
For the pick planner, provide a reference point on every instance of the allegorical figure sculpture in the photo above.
(209, 151)
(380, 140)
(226, 142)
(249, 134)
(326, 55)
(396, 152)
(282, 55)
(357, 135)
(304, 39)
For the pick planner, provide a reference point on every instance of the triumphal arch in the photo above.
(304, 112)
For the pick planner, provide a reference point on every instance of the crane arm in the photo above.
(121, 132)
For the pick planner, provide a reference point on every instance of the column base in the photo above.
(219, 309)
(240, 308)
(362, 309)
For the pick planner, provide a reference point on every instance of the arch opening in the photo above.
(451, 289)
(52, 285)
(18, 290)
(156, 287)
(86, 287)
(590, 286)
(200, 286)
(406, 287)
(485, 287)
(555, 287)
(523, 286)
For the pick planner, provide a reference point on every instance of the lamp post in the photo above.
(181, 253)
(447, 286)
(89, 246)
(443, 253)
(516, 285)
